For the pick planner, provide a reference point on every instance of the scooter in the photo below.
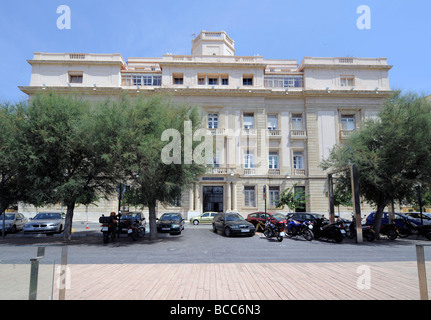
(367, 230)
(296, 228)
(272, 230)
(390, 230)
(323, 229)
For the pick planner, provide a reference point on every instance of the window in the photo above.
(273, 160)
(137, 80)
(225, 81)
(248, 160)
(272, 122)
(347, 81)
(297, 122)
(247, 80)
(274, 196)
(298, 160)
(212, 120)
(75, 77)
(300, 191)
(213, 81)
(248, 120)
(176, 202)
(249, 196)
(178, 78)
(347, 122)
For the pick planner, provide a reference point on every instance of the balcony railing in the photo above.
(216, 170)
(299, 172)
(345, 134)
(284, 82)
(273, 172)
(249, 172)
(298, 134)
(274, 132)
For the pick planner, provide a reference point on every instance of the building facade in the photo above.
(272, 120)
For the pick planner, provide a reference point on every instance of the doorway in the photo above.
(212, 199)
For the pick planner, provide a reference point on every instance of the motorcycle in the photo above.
(324, 229)
(272, 230)
(410, 228)
(296, 228)
(390, 230)
(367, 230)
(109, 228)
(113, 226)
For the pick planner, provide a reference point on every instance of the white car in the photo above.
(13, 222)
(46, 222)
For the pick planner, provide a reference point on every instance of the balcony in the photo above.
(345, 134)
(273, 172)
(215, 170)
(298, 134)
(217, 131)
(249, 172)
(248, 132)
(299, 172)
(274, 133)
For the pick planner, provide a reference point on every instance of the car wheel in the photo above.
(214, 228)
(227, 232)
(195, 222)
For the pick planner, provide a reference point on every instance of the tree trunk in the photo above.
(67, 233)
(153, 223)
(378, 217)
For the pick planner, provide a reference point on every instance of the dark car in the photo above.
(172, 223)
(305, 216)
(258, 219)
(399, 219)
(231, 223)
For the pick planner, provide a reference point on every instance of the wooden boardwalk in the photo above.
(244, 281)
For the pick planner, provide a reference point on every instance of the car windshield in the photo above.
(9, 216)
(169, 216)
(234, 217)
(44, 216)
(279, 216)
(131, 216)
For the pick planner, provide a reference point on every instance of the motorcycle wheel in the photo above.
(392, 234)
(267, 233)
(369, 236)
(134, 234)
(141, 232)
(106, 237)
(308, 235)
(279, 237)
(404, 233)
(338, 237)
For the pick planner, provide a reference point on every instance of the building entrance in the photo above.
(213, 199)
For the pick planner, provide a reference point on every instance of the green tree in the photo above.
(11, 155)
(70, 147)
(151, 179)
(293, 198)
(392, 153)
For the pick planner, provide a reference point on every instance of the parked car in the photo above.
(45, 222)
(13, 222)
(305, 216)
(426, 217)
(172, 223)
(399, 219)
(231, 223)
(260, 218)
(206, 217)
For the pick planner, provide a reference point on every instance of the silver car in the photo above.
(13, 222)
(45, 222)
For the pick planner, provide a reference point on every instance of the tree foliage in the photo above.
(293, 198)
(392, 153)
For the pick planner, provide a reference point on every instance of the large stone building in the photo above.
(273, 120)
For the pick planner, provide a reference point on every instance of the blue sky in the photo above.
(274, 29)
